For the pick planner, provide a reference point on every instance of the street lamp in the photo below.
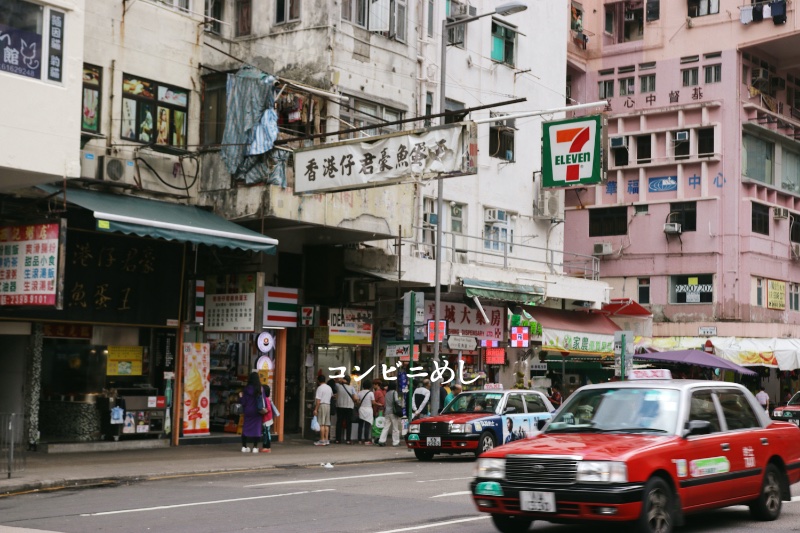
(503, 9)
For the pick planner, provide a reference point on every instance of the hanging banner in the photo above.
(577, 343)
(196, 360)
(387, 159)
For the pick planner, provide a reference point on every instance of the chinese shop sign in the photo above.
(350, 327)
(462, 320)
(577, 343)
(387, 159)
(30, 265)
(113, 279)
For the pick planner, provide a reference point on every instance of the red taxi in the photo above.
(789, 412)
(644, 452)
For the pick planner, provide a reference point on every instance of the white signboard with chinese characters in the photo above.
(31, 264)
(465, 321)
(386, 159)
(577, 343)
(230, 312)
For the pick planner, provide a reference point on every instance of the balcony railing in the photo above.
(485, 251)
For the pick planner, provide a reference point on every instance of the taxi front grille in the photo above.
(540, 471)
(434, 429)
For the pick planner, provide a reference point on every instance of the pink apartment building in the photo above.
(698, 218)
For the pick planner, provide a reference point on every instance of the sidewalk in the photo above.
(49, 471)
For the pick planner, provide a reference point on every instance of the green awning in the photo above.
(164, 220)
(507, 292)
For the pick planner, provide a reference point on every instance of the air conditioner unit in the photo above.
(760, 74)
(118, 169)
(682, 135)
(672, 228)
(602, 248)
(780, 212)
(547, 204)
(630, 15)
(458, 10)
(91, 164)
(618, 142)
(361, 291)
(795, 251)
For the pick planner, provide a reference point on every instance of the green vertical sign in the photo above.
(571, 152)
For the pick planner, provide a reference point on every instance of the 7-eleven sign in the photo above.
(571, 153)
(520, 336)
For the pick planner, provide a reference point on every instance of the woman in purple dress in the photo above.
(252, 418)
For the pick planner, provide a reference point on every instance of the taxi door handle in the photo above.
(765, 441)
(725, 446)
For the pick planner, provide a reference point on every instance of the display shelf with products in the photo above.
(225, 385)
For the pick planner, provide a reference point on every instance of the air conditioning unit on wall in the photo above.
(118, 169)
(618, 142)
(672, 228)
(795, 251)
(602, 248)
(780, 213)
(361, 291)
(91, 163)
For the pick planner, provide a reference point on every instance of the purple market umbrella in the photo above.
(694, 357)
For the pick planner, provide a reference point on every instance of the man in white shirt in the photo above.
(419, 402)
(763, 399)
(322, 410)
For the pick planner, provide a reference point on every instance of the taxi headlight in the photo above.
(777, 413)
(458, 428)
(490, 468)
(413, 428)
(602, 472)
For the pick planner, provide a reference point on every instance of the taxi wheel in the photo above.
(423, 455)
(657, 506)
(485, 443)
(511, 524)
(768, 505)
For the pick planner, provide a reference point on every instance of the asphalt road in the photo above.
(393, 497)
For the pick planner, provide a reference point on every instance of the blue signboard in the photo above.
(22, 52)
(662, 184)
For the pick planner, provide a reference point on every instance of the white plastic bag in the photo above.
(379, 422)
(314, 424)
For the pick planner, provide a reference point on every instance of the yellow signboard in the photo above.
(776, 294)
(124, 361)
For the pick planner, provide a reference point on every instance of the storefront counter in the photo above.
(70, 420)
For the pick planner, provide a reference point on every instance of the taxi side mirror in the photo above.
(697, 427)
(510, 410)
(541, 423)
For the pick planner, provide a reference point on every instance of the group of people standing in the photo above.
(366, 404)
(259, 414)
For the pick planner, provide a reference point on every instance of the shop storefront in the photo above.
(100, 297)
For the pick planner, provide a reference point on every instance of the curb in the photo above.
(111, 481)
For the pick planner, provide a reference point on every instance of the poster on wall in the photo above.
(196, 359)
(230, 312)
(124, 361)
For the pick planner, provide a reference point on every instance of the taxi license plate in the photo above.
(433, 441)
(540, 502)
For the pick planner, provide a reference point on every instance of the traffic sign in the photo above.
(460, 342)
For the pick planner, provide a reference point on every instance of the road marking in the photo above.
(326, 479)
(445, 479)
(212, 502)
(463, 492)
(435, 524)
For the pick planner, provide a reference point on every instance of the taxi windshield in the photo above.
(474, 402)
(795, 399)
(618, 410)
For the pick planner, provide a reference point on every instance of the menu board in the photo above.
(124, 361)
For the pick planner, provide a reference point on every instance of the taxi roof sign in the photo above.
(649, 373)
(571, 152)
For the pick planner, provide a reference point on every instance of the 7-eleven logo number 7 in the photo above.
(572, 151)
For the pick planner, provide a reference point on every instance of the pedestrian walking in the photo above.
(365, 416)
(252, 418)
(455, 390)
(555, 397)
(379, 403)
(763, 399)
(322, 410)
(344, 409)
(421, 400)
(393, 421)
(266, 421)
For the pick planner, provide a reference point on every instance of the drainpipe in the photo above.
(110, 107)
